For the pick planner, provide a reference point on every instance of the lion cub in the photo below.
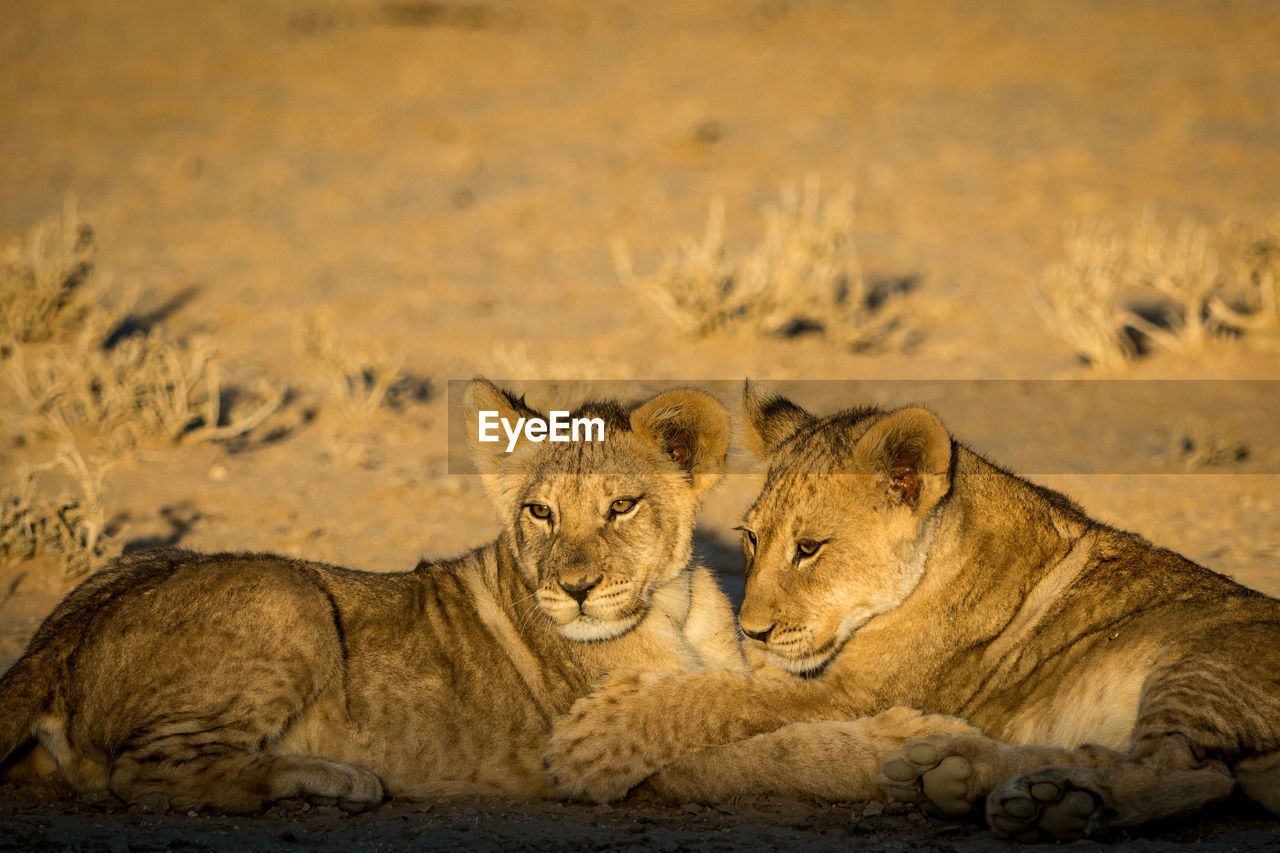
(889, 565)
(228, 681)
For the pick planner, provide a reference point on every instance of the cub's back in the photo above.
(139, 638)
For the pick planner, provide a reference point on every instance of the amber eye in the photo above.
(539, 511)
(749, 536)
(807, 548)
(622, 506)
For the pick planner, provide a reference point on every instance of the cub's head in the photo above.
(837, 534)
(597, 526)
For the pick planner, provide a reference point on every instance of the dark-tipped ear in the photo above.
(768, 420)
(484, 400)
(689, 426)
(909, 452)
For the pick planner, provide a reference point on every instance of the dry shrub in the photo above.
(71, 528)
(143, 387)
(1181, 266)
(48, 289)
(1079, 292)
(70, 374)
(358, 375)
(1195, 443)
(1177, 272)
(695, 285)
(1253, 302)
(360, 381)
(804, 275)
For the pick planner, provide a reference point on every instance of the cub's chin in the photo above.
(589, 629)
(805, 666)
(810, 662)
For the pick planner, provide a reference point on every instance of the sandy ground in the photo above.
(446, 181)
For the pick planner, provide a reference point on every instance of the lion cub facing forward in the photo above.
(229, 681)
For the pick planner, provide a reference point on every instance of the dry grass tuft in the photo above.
(70, 374)
(1176, 275)
(360, 381)
(141, 388)
(48, 289)
(805, 275)
(358, 375)
(1080, 301)
(74, 371)
(1195, 444)
(72, 529)
(1181, 266)
(1253, 302)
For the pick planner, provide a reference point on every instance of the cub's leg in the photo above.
(1259, 778)
(1061, 803)
(1163, 777)
(224, 754)
(634, 724)
(835, 760)
(955, 772)
(189, 777)
(1213, 703)
(1040, 793)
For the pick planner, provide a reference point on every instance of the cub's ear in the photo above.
(491, 457)
(909, 452)
(768, 420)
(689, 426)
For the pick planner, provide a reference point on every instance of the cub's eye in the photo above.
(749, 538)
(622, 506)
(539, 511)
(807, 548)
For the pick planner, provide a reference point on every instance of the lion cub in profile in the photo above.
(889, 565)
(228, 681)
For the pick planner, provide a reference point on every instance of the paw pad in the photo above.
(922, 773)
(1033, 808)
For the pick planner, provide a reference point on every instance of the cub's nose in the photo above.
(578, 588)
(760, 636)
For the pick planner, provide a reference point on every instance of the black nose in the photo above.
(579, 589)
(759, 636)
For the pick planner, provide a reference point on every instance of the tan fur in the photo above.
(229, 681)
(1118, 682)
(831, 759)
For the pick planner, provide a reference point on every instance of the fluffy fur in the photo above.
(229, 681)
(889, 565)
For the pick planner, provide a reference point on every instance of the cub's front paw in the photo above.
(949, 772)
(598, 751)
